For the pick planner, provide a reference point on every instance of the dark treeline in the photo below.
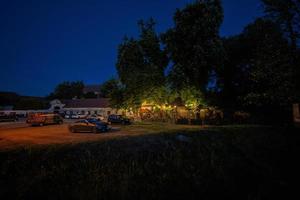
(20, 102)
(254, 71)
(68, 90)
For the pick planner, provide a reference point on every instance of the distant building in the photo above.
(98, 106)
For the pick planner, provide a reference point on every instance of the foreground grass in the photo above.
(240, 162)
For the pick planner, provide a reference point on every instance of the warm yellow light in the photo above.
(144, 103)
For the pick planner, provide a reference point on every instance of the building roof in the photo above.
(86, 103)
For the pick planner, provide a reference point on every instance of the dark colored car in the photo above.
(93, 126)
(118, 119)
(8, 118)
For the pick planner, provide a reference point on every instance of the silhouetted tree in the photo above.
(270, 66)
(31, 103)
(194, 44)
(287, 14)
(141, 64)
(233, 77)
(68, 90)
(258, 70)
(114, 90)
(8, 98)
(109, 86)
(90, 95)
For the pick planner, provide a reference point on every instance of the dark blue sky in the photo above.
(45, 42)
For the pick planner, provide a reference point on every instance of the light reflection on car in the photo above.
(89, 125)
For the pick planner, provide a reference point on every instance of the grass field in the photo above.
(229, 162)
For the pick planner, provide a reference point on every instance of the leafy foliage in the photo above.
(194, 45)
(287, 14)
(233, 77)
(258, 70)
(8, 98)
(90, 95)
(141, 64)
(22, 102)
(31, 103)
(160, 96)
(270, 66)
(108, 86)
(192, 97)
(68, 90)
(114, 90)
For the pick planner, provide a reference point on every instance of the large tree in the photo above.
(287, 14)
(233, 77)
(31, 103)
(108, 87)
(8, 98)
(141, 64)
(194, 44)
(258, 71)
(68, 90)
(269, 64)
(114, 90)
(22, 102)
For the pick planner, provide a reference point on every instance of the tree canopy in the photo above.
(271, 67)
(287, 14)
(31, 103)
(114, 90)
(141, 64)
(68, 90)
(258, 69)
(194, 44)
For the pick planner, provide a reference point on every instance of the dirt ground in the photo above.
(19, 134)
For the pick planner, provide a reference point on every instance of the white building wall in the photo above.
(100, 111)
(57, 104)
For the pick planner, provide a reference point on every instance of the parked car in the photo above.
(118, 119)
(97, 117)
(44, 119)
(82, 116)
(75, 116)
(8, 118)
(72, 116)
(67, 116)
(93, 126)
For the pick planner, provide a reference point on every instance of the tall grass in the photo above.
(225, 162)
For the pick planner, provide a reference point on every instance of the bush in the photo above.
(241, 117)
(182, 121)
(196, 121)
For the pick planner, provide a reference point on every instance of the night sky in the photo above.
(45, 42)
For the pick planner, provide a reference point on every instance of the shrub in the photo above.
(182, 121)
(241, 117)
